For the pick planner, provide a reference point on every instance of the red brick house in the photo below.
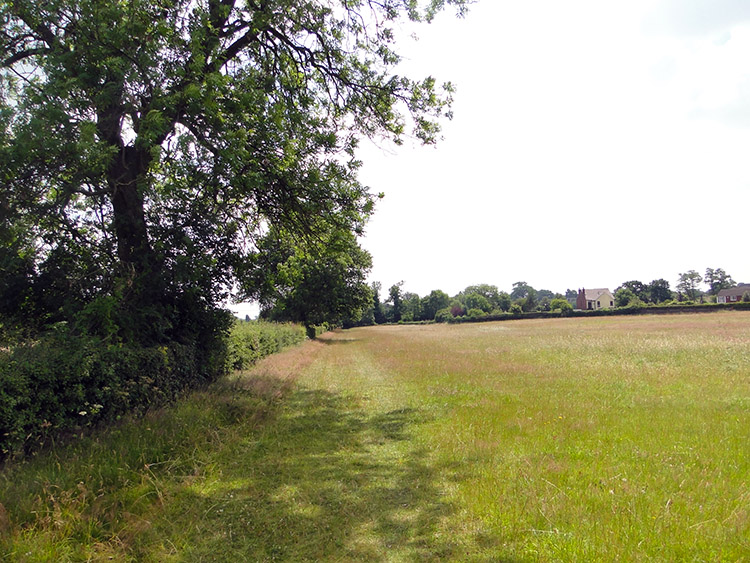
(592, 299)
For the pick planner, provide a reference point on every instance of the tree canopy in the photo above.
(521, 290)
(311, 284)
(717, 280)
(148, 146)
(688, 283)
(396, 301)
(637, 288)
(659, 291)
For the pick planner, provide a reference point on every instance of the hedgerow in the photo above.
(251, 341)
(683, 307)
(63, 381)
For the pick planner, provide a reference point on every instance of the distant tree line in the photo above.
(474, 301)
(397, 305)
(688, 290)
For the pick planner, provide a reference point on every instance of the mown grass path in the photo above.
(571, 439)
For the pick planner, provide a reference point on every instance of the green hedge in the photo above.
(251, 341)
(64, 382)
(617, 311)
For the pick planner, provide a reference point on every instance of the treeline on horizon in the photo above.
(480, 300)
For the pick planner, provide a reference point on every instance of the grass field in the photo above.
(619, 438)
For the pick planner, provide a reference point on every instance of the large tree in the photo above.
(637, 288)
(659, 290)
(625, 296)
(489, 292)
(717, 280)
(396, 301)
(311, 283)
(433, 302)
(521, 289)
(411, 307)
(378, 316)
(688, 284)
(497, 299)
(148, 145)
(476, 301)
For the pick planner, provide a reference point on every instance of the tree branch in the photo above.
(232, 51)
(25, 54)
(198, 136)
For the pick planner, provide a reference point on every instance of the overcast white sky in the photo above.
(594, 142)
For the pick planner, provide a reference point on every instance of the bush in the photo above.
(476, 314)
(561, 305)
(476, 301)
(63, 382)
(516, 309)
(444, 315)
(637, 304)
(457, 310)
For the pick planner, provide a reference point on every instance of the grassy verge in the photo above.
(569, 439)
(154, 489)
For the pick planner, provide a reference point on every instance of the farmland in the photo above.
(563, 439)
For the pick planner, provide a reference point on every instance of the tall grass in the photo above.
(592, 439)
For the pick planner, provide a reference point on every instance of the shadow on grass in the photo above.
(336, 341)
(322, 480)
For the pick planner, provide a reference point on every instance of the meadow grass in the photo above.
(593, 439)
(617, 438)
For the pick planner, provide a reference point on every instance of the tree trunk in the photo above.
(133, 247)
(310, 331)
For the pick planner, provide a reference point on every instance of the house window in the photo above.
(611, 303)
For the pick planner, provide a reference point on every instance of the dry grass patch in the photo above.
(274, 375)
